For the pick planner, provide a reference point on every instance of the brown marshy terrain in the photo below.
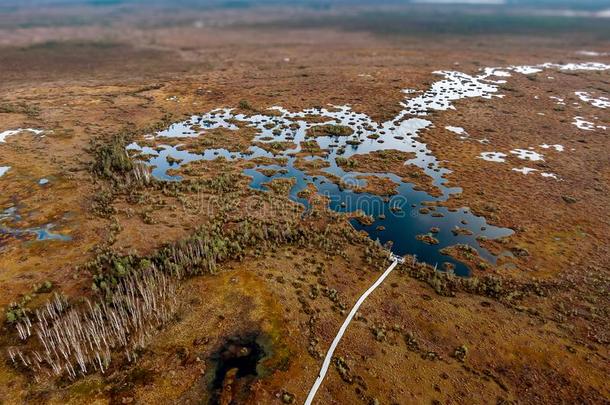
(212, 290)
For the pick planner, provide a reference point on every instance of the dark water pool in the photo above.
(402, 220)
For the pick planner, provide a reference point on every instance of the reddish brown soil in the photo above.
(537, 348)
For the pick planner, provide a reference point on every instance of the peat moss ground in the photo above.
(532, 332)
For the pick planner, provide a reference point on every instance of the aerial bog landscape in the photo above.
(305, 202)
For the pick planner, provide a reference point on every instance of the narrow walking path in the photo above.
(333, 346)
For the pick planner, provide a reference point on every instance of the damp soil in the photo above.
(562, 336)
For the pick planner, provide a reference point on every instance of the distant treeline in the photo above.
(569, 4)
(320, 4)
(451, 21)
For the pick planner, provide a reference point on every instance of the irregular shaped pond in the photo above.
(339, 132)
(401, 223)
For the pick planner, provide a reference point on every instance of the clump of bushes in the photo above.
(343, 162)
(489, 285)
(17, 311)
(427, 238)
(245, 105)
(111, 159)
(343, 369)
(20, 108)
(329, 130)
(460, 353)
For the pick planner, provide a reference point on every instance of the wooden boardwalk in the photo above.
(329, 355)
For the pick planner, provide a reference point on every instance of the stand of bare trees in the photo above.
(137, 300)
(75, 341)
